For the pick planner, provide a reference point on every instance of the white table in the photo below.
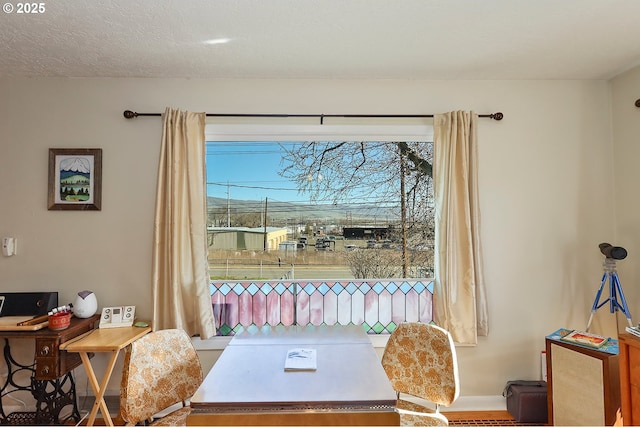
(249, 386)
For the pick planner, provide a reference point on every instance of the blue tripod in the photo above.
(615, 289)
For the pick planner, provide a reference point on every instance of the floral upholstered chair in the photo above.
(420, 361)
(160, 370)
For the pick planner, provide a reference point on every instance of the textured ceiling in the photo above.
(407, 39)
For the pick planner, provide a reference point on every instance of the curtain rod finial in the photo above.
(497, 116)
(128, 114)
(638, 103)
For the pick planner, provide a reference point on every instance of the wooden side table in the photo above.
(583, 385)
(630, 378)
(110, 340)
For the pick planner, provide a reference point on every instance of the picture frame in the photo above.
(75, 179)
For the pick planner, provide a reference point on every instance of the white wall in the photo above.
(545, 177)
(626, 173)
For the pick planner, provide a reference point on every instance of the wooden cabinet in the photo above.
(630, 379)
(583, 385)
(50, 362)
(55, 395)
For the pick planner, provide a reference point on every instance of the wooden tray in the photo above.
(10, 323)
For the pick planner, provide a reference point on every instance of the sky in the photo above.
(248, 171)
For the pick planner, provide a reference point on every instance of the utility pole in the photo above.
(403, 217)
(228, 206)
(265, 224)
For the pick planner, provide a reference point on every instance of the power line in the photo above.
(221, 184)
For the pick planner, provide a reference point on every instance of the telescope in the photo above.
(613, 252)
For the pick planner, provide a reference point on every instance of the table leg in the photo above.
(52, 396)
(99, 389)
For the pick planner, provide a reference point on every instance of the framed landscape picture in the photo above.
(75, 179)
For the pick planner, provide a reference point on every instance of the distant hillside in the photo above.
(307, 211)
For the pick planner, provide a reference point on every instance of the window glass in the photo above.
(308, 228)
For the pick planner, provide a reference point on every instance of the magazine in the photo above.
(585, 338)
(633, 330)
(300, 359)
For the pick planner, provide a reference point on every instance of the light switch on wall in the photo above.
(9, 246)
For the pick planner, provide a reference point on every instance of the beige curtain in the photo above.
(181, 297)
(460, 303)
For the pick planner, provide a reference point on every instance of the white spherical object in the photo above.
(85, 305)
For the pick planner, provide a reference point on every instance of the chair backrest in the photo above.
(420, 360)
(160, 369)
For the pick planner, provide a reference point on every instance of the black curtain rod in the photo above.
(128, 114)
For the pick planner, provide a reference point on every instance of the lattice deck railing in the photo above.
(379, 305)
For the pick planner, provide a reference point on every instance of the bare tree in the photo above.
(253, 219)
(344, 171)
(373, 263)
(338, 171)
(370, 171)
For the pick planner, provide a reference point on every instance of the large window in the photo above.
(292, 243)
